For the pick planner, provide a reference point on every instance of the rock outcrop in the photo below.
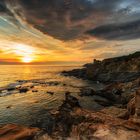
(119, 69)
(73, 122)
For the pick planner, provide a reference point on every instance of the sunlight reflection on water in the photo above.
(29, 107)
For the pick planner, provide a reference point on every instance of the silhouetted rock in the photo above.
(119, 69)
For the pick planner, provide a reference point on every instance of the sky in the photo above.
(67, 32)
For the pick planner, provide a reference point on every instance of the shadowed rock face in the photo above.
(119, 69)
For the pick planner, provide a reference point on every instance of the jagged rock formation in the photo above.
(119, 69)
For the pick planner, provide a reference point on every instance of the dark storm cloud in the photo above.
(123, 31)
(71, 19)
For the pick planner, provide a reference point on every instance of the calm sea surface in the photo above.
(31, 107)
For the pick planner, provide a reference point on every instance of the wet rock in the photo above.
(4, 93)
(71, 100)
(18, 86)
(34, 90)
(108, 95)
(23, 90)
(53, 83)
(87, 92)
(11, 88)
(32, 86)
(9, 106)
(79, 73)
(22, 81)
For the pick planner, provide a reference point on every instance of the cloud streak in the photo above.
(69, 30)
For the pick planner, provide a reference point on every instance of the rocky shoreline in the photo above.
(118, 116)
(119, 69)
(71, 121)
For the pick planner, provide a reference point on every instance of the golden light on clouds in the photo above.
(25, 52)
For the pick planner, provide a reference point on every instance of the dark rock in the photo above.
(71, 100)
(87, 92)
(32, 86)
(11, 88)
(8, 107)
(108, 95)
(5, 93)
(119, 69)
(23, 90)
(79, 73)
(21, 81)
(53, 83)
(102, 101)
(34, 90)
(63, 118)
(64, 84)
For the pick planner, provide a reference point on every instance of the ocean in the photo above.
(32, 107)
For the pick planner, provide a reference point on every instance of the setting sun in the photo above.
(26, 59)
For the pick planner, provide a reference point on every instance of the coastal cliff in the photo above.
(119, 69)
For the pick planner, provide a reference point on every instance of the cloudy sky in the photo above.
(67, 31)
